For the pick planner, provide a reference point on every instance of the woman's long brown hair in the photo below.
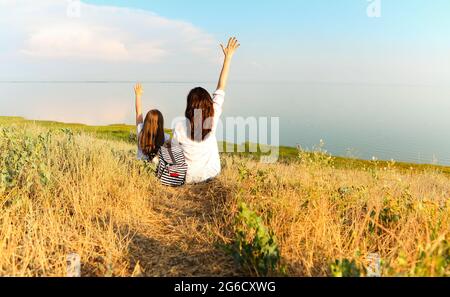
(152, 135)
(199, 113)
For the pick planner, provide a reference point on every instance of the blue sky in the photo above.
(285, 21)
(321, 40)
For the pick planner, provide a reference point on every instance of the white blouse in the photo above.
(202, 158)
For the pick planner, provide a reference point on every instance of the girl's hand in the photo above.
(138, 90)
(231, 48)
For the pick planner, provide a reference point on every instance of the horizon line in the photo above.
(213, 82)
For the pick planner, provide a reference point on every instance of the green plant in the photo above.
(254, 247)
(261, 182)
(433, 259)
(374, 168)
(23, 160)
(133, 137)
(244, 172)
(319, 156)
(69, 133)
(345, 268)
(388, 216)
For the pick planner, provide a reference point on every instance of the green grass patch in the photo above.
(127, 133)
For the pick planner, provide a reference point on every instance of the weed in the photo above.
(319, 156)
(345, 268)
(254, 246)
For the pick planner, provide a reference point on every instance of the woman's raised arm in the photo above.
(228, 51)
(138, 90)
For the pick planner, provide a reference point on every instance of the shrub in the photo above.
(432, 259)
(319, 156)
(23, 159)
(345, 268)
(255, 247)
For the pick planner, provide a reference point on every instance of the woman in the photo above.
(150, 132)
(197, 135)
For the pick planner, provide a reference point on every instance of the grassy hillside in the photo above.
(114, 132)
(63, 192)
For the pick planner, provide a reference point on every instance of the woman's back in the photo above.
(202, 157)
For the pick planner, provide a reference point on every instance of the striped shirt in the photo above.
(172, 167)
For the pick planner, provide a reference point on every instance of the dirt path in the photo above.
(185, 241)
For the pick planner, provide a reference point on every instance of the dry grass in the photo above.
(61, 194)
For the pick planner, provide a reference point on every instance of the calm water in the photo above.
(405, 123)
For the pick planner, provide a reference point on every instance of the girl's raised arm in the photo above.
(228, 51)
(138, 90)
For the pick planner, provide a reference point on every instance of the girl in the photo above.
(150, 132)
(155, 145)
(197, 134)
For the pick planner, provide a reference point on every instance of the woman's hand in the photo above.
(231, 48)
(138, 90)
(228, 51)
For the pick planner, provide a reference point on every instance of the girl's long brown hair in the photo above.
(199, 113)
(152, 135)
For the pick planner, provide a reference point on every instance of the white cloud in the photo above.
(89, 42)
(101, 33)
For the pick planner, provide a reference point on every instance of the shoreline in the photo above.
(123, 132)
